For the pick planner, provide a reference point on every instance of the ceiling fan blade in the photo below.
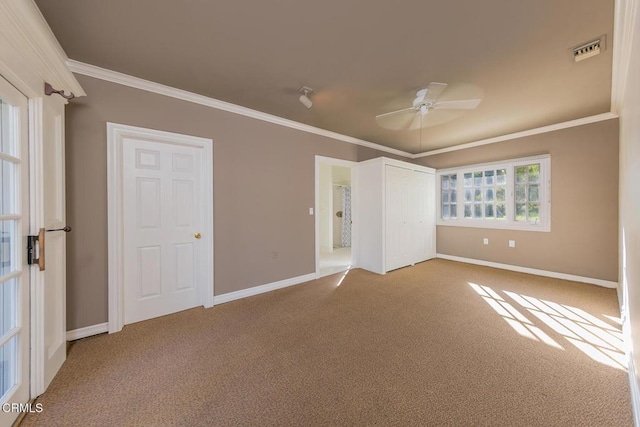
(435, 89)
(464, 104)
(397, 120)
(382, 116)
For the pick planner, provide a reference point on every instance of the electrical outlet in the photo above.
(512, 243)
(485, 241)
(310, 211)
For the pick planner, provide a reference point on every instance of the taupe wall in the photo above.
(584, 204)
(263, 188)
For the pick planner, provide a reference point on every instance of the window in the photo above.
(449, 185)
(513, 194)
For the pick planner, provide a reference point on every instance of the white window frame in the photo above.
(509, 223)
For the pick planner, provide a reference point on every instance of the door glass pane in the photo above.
(7, 189)
(7, 245)
(14, 326)
(7, 140)
(8, 294)
(8, 366)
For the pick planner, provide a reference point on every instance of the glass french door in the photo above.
(14, 273)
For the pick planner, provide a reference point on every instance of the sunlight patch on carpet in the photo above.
(593, 336)
(514, 318)
(343, 276)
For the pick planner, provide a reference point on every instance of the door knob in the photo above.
(197, 235)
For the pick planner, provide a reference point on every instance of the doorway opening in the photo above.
(334, 227)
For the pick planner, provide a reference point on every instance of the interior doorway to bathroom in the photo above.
(334, 230)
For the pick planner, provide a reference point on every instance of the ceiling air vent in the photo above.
(586, 50)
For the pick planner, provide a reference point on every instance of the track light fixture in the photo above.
(304, 97)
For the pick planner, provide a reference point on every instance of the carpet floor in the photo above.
(440, 343)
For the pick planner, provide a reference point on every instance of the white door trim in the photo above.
(115, 135)
(354, 228)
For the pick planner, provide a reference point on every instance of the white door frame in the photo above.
(115, 140)
(354, 227)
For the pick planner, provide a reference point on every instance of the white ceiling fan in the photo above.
(426, 110)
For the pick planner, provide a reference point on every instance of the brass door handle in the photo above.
(197, 235)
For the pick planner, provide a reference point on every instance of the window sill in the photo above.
(545, 228)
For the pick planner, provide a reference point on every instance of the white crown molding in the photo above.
(24, 30)
(536, 131)
(624, 27)
(519, 269)
(160, 89)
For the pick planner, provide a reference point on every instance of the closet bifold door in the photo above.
(396, 214)
(399, 217)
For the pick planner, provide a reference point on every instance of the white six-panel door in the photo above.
(161, 223)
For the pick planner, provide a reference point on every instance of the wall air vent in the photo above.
(586, 50)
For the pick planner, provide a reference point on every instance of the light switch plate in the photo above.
(485, 241)
(310, 211)
(512, 243)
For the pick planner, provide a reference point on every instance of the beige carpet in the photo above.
(419, 346)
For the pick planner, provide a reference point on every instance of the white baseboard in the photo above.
(256, 290)
(545, 273)
(88, 331)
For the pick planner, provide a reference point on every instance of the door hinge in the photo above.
(35, 249)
